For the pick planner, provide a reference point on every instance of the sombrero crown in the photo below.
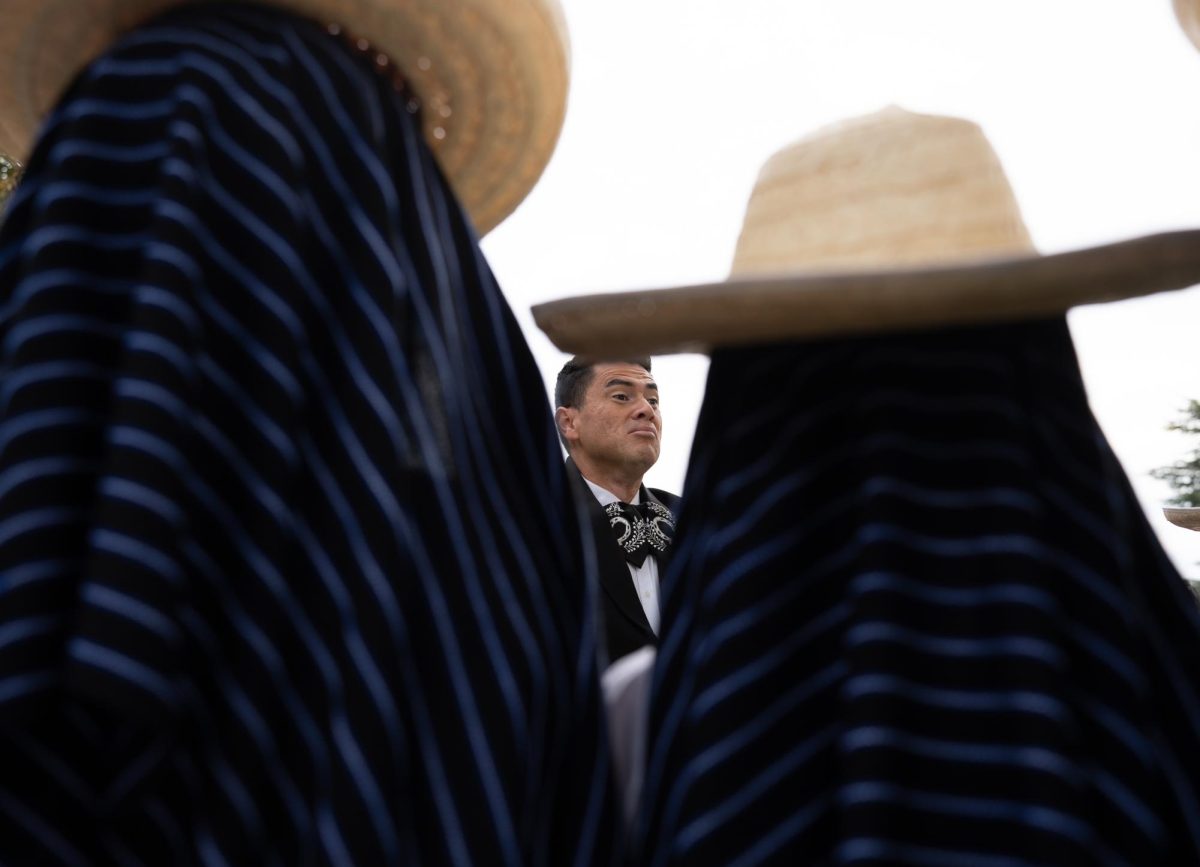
(491, 75)
(890, 221)
(889, 189)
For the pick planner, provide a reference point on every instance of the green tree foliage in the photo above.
(1184, 476)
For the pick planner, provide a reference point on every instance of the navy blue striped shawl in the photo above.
(289, 572)
(916, 616)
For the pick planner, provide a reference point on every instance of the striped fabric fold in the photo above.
(289, 572)
(917, 617)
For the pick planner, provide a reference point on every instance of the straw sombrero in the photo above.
(491, 76)
(1188, 13)
(886, 222)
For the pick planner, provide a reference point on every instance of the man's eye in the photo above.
(619, 396)
(654, 401)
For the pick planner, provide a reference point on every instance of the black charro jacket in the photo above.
(623, 624)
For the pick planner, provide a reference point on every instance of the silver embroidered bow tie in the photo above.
(641, 529)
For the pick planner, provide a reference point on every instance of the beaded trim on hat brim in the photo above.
(382, 64)
(748, 311)
(10, 176)
(389, 69)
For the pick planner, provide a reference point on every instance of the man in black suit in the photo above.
(608, 416)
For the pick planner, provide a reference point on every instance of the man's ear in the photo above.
(564, 418)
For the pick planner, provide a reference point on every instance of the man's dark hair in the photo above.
(576, 375)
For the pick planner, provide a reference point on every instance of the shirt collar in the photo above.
(605, 496)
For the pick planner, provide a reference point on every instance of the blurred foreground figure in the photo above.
(915, 615)
(931, 626)
(288, 573)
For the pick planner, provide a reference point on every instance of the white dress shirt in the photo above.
(645, 577)
(626, 687)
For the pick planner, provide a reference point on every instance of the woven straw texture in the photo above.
(491, 75)
(892, 188)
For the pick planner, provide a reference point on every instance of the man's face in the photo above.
(618, 424)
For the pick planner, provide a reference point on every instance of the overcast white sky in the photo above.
(1092, 106)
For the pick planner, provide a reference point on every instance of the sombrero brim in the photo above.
(492, 76)
(1188, 12)
(743, 311)
(1188, 518)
